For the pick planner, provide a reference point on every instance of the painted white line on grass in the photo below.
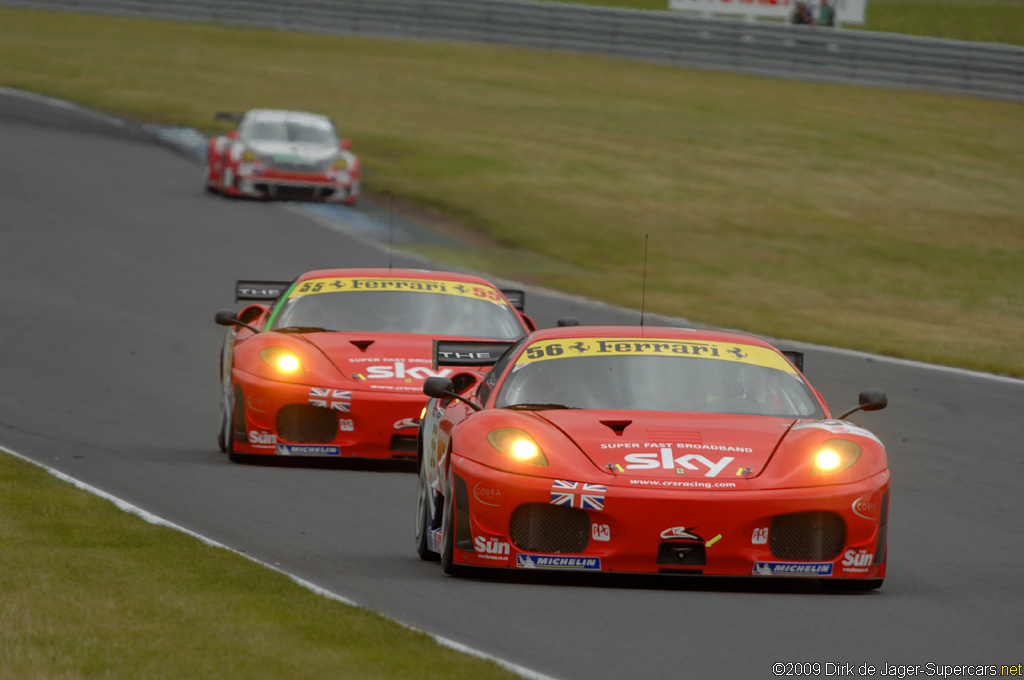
(323, 592)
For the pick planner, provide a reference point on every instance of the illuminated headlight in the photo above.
(341, 163)
(248, 155)
(282, 360)
(835, 455)
(517, 445)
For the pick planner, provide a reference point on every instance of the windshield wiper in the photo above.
(540, 407)
(302, 329)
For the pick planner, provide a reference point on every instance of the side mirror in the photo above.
(442, 388)
(233, 134)
(226, 317)
(870, 400)
(345, 144)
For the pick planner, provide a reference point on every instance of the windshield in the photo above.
(581, 376)
(287, 131)
(437, 308)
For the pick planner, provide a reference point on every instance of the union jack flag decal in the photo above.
(578, 494)
(325, 397)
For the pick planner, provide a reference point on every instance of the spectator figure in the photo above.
(802, 13)
(826, 14)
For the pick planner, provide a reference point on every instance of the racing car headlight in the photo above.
(248, 155)
(341, 163)
(282, 360)
(517, 445)
(835, 455)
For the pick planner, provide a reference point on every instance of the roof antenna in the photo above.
(643, 294)
(391, 232)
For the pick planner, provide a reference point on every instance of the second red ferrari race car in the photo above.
(283, 154)
(649, 450)
(333, 363)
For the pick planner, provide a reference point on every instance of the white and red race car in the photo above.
(292, 155)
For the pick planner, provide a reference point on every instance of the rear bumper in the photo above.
(286, 419)
(516, 521)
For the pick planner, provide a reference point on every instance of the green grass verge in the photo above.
(879, 220)
(90, 591)
(982, 20)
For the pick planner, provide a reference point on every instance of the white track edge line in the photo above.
(149, 517)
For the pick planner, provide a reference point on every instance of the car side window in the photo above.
(491, 379)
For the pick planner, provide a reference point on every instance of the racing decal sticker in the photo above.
(527, 561)
(262, 440)
(345, 284)
(325, 397)
(865, 509)
(544, 350)
(307, 450)
(490, 548)
(760, 536)
(345, 425)
(792, 568)
(680, 533)
(714, 540)
(398, 370)
(486, 495)
(600, 532)
(406, 423)
(651, 461)
(857, 561)
(578, 494)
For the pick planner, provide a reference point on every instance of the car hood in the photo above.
(673, 445)
(293, 152)
(380, 361)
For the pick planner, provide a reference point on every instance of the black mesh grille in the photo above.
(536, 527)
(401, 443)
(462, 381)
(306, 424)
(810, 536)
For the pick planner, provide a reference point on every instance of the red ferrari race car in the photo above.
(283, 154)
(333, 363)
(649, 450)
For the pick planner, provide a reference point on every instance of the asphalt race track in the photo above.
(112, 262)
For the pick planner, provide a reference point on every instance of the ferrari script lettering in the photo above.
(651, 461)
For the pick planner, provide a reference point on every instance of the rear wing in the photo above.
(228, 115)
(260, 290)
(517, 298)
(468, 352)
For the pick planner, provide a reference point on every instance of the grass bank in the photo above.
(90, 591)
(885, 221)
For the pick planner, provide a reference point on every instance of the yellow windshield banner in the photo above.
(389, 284)
(543, 350)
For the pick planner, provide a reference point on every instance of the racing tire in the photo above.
(861, 585)
(448, 532)
(423, 522)
(227, 180)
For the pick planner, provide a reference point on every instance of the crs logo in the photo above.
(491, 548)
(680, 532)
(760, 536)
(258, 438)
(650, 461)
(857, 558)
(865, 509)
(398, 370)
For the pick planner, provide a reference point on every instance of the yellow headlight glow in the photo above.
(517, 444)
(248, 156)
(282, 360)
(835, 455)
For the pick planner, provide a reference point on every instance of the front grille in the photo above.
(537, 527)
(306, 424)
(807, 536)
(290, 192)
(681, 553)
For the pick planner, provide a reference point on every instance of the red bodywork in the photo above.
(355, 393)
(682, 490)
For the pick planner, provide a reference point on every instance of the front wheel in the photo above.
(448, 531)
(424, 523)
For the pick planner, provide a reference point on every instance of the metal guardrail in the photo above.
(768, 49)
